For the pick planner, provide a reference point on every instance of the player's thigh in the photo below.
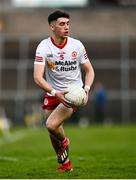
(59, 115)
(47, 113)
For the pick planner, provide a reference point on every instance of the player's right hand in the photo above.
(61, 96)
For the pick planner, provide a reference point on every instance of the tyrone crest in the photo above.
(74, 55)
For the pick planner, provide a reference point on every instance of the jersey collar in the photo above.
(59, 46)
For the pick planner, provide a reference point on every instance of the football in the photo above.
(75, 95)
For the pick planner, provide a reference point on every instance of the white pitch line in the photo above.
(51, 158)
(5, 158)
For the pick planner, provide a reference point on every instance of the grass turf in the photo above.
(96, 152)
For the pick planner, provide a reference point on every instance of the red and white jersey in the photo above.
(62, 64)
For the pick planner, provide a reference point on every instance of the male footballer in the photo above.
(58, 63)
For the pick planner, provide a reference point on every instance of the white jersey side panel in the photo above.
(62, 66)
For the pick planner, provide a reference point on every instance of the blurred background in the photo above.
(108, 30)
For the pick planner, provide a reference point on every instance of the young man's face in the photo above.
(60, 27)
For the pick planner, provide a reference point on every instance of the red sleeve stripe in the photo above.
(39, 59)
(85, 56)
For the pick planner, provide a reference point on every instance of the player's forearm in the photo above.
(89, 77)
(43, 84)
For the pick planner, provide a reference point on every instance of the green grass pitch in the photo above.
(96, 152)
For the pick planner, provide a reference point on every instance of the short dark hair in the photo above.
(57, 14)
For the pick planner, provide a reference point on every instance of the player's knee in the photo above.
(51, 127)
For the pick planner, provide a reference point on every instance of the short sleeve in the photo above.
(40, 54)
(83, 54)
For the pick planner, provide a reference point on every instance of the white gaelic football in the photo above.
(75, 95)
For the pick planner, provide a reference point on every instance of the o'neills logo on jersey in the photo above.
(49, 55)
